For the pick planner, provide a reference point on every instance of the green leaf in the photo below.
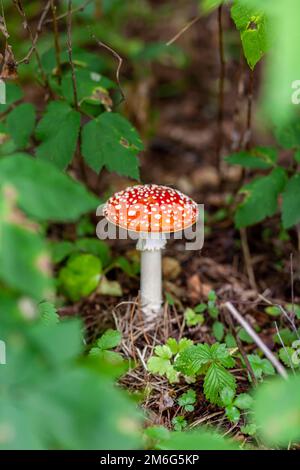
(260, 198)
(243, 401)
(253, 26)
(183, 344)
(212, 296)
(187, 398)
(20, 124)
(277, 411)
(90, 87)
(230, 341)
(260, 158)
(173, 345)
(288, 135)
(286, 336)
(163, 351)
(197, 440)
(80, 277)
(111, 288)
(158, 365)
(190, 361)
(200, 308)
(273, 310)
(208, 6)
(249, 429)
(227, 396)
(218, 330)
(290, 202)
(286, 356)
(260, 366)
(192, 318)
(110, 339)
(60, 250)
(34, 181)
(244, 336)
(232, 413)
(58, 131)
(95, 247)
(293, 309)
(216, 379)
(179, 423)
(48, 313)
(111, 141)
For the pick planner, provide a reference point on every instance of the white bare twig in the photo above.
(267, 352)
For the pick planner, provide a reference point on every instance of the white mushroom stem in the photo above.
(151, 275)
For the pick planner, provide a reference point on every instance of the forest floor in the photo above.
(181, 152)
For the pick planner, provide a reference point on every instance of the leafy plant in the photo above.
(233, 404)
(179, 423)
(212, 362)
(102, 349)
(162, 362)
(187, 400)
(261, 367)
(192, 318)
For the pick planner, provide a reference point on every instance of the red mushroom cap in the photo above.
(151, 208)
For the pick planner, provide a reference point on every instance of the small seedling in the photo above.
(179, 423)
(192, 318)
(233, 404)
(187, 400)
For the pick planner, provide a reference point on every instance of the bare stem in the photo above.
(247, 258)
(267, 352)
(70, 53)
(221, 85)
(56, 39)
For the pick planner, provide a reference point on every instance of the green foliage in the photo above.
(20, 124)
(261, 367)
(233, 404)
(101, 351)
(277, 411)
(260, 198)
(259, 158)
(218, 330)
(209, 5)
(196, 440)
(35, 181)
(48, 313)
(13, 94)
(187, 400)
(162, 363)
(253, 26)
(58, 131)
(61, 402)
(192, 318)
(289, 355)
(290, 202)
(117, 148)
(273, 310)
(81, 276)
(179, 423)
(212, 361)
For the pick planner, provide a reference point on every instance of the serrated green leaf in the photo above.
(48, 313)
(187, 398)
(260, 366)
(216, 379)
(158, 365)
(173, 345)
(260, 198)
(190, 361)
(35, 180)
(116, 149)
(58, 131)
(184, 343)
(232, 413)
(290, 202)
(20, 124)
(163, 351)
(110, 339)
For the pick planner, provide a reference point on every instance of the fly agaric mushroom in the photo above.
(152, 211)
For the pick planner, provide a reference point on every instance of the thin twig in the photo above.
(221, 85)
(120, 62)
(56, 39)
(74, 10)
(35, 37)
(247, 258)
(183, 30)
(267, 352)
(70, 53)
(247, 135)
